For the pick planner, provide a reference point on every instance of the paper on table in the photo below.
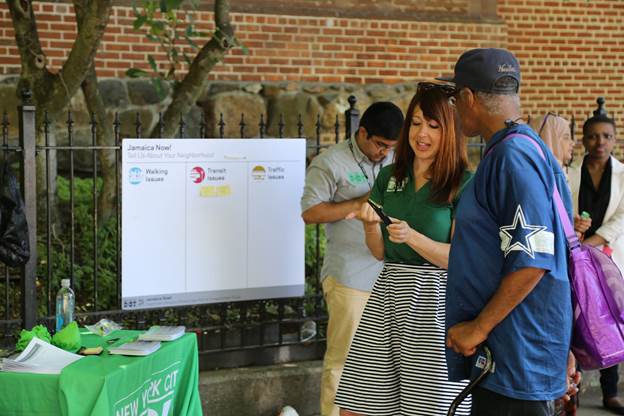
(40, 357)
(136, 348)
(163, 333)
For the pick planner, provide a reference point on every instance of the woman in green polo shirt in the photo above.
(396, 364)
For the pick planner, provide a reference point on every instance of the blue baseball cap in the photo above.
(479, 69)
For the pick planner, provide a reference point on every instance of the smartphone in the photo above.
(377, 208)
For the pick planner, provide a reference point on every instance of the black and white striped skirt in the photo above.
(396, 363)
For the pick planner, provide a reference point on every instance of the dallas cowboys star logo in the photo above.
(518, 234)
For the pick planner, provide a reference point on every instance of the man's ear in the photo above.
(469, 97)
(362, 134)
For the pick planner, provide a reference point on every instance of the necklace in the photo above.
(359, 163)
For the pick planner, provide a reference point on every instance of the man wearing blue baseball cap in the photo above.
(508, 278)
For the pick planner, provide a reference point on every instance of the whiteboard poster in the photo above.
(211, 220)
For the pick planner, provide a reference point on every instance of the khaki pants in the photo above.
(344, 306)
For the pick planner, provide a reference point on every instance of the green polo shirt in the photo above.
(404, 202)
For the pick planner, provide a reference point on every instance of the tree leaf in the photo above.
(174, 4)
(136, 73)
(168, 5)
(158, 27)
(191, 42)
(244, 49)
(139, 21)
(189, 31)
(152, 63)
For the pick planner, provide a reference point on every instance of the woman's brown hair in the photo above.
(450, 164)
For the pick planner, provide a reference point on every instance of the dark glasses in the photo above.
(446, 89)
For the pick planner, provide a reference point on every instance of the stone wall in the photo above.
(274, 101)
(229, 101)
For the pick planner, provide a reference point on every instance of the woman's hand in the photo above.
(581, 224)
(366, 214)
(399, 231)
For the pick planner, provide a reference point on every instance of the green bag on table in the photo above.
(38, 331)
(68, 338)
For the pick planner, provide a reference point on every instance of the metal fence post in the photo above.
(352, 118)
(27, 141)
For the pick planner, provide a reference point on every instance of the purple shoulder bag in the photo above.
(597, 295)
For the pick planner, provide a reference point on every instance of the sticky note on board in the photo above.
(212, 191)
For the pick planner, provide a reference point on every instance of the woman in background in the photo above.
(555, 132)
(597, 184)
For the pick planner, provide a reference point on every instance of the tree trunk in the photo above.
(107, 198)
(52, 92)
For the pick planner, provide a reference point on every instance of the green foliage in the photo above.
(84, 252)
(311, 235)
(172, 27)
(313, 265)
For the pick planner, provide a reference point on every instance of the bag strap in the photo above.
(573, 241)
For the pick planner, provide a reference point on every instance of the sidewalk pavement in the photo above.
(591, 403)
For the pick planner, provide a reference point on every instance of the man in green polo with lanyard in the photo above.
(337, 182)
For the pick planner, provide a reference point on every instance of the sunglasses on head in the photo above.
(548, 115)
(447, 89)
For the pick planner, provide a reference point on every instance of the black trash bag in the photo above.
(14, 243)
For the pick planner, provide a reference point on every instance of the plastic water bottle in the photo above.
(65, 301)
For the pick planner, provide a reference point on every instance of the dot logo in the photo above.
(258, 173)
(197, 174)
(135, 176)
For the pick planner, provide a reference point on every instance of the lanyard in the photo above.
(359, 163)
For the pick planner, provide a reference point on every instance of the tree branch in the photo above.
(27, 38)
(91, 29)
(222, 16)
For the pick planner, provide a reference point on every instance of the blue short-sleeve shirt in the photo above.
(506, 221)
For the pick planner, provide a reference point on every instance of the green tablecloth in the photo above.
(163, 383)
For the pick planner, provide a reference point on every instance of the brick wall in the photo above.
(570, 52)
(314, 49)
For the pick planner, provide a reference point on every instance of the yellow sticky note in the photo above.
(208, 191)
(212, 191)
(224, 190)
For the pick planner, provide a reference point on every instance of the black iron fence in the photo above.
(71, 239)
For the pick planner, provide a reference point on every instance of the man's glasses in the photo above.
(382, 146)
